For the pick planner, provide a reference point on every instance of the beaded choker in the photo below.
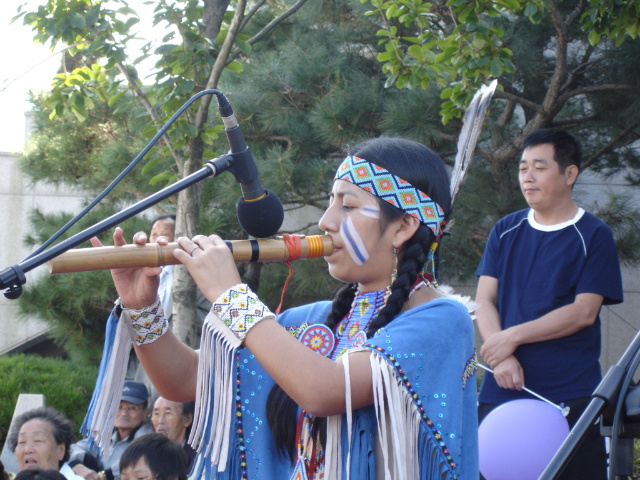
(352, 330)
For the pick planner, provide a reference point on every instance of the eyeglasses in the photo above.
(129, 408)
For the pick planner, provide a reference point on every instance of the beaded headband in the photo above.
(392, 189)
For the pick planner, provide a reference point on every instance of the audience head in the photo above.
(172, 419)
(39, 474)
(133, 405)
(165, 226)
(41, 438)
(153, 456)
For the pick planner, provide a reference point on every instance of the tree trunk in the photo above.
(185, 319)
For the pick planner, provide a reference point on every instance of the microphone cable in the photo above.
(126, 170)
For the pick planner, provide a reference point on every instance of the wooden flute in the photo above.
(280, 249)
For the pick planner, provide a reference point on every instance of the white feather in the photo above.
(471, 126)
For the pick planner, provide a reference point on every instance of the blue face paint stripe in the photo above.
(349, 237)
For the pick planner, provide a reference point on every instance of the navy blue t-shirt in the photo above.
(541, 268)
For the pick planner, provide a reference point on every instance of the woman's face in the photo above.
(37, 447)
(362, 253)
(139, 471)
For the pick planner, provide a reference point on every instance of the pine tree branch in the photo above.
(519, 100)
(609, 146)
(583, 66)
(276, 21)
(573, 121)
(577, 11)
(592, 89)
(550, 104)
(133, 83)
(251, 13)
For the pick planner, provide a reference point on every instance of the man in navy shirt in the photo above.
(545, 273)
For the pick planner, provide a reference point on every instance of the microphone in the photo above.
(259, 210)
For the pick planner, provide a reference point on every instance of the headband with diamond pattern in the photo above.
(392, 189)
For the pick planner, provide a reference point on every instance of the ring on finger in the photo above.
(194, 249)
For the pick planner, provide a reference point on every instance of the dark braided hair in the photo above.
(424, 170)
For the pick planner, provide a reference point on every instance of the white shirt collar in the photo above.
(556, 227)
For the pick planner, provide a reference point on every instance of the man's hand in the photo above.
(85, 472)
(498, 347)
(509, 374)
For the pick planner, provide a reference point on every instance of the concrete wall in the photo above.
(18, 199)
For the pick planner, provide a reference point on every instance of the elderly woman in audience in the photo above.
(41, 438)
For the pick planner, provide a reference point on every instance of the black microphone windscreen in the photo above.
(263, 217)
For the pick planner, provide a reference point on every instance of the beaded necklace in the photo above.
(352, 329)
(349, 333)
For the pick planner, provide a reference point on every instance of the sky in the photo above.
(25, 66)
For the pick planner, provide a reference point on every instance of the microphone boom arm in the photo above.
(12, 278)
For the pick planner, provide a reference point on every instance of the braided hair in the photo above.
(423, 169)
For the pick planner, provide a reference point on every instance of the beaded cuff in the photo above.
(240, 309)
(149, 323)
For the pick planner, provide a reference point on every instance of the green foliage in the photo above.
(621, 214)
(66, 386)
(477, 210)
(299, 106)
(90, 153)
(456, 44)
(611, 18)
(461, 45)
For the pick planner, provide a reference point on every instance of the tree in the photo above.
(297, 109)
(204, 39)
(559, 64)
(65, 151)
(298, 106)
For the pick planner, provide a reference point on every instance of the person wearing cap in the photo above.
(129, 424)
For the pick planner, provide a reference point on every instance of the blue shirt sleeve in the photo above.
(601, 273)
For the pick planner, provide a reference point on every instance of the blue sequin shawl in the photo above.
(429, 351)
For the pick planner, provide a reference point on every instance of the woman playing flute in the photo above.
(377, 384)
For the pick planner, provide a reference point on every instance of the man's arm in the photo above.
(558, 323)
(508, 373)
(78, 453)
(488, 318)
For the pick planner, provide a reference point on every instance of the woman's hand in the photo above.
(136, 286)
(210, 263)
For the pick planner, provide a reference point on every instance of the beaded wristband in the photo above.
(240, 309)
(149, 323)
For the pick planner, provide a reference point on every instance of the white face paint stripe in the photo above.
(353, 242)
(372, 211)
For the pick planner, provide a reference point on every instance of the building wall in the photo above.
(19, 198)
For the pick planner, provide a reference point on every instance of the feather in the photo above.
(471, 127)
